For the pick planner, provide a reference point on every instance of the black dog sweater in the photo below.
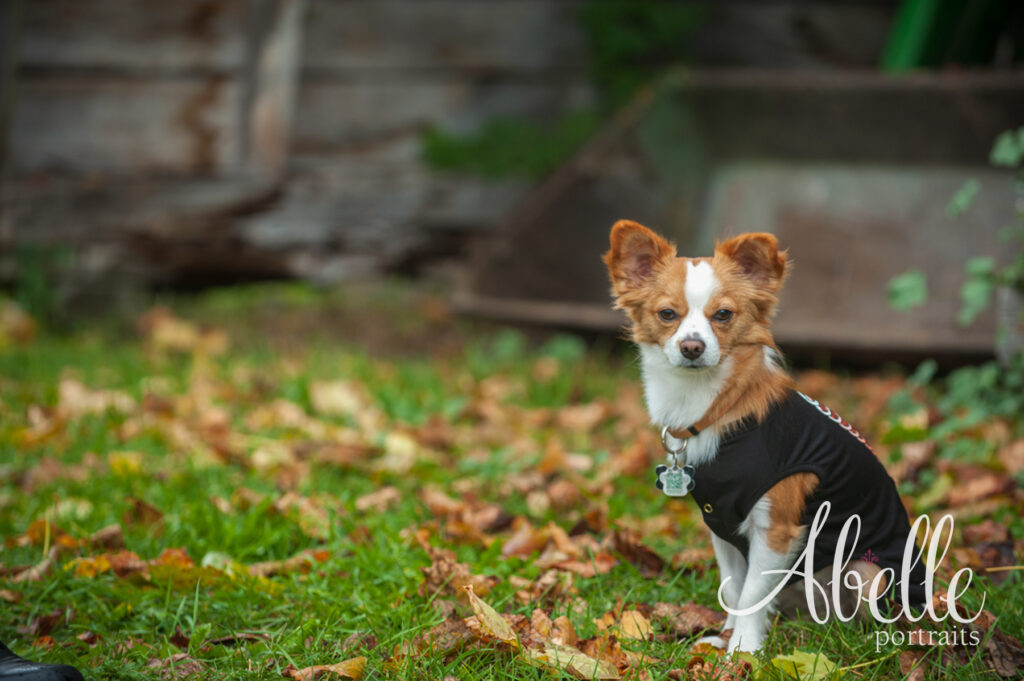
(800, 435)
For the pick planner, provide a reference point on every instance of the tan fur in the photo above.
(788, 500)
(648, 276)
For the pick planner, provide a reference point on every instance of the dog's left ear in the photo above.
(759, 258)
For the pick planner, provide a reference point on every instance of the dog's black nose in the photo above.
(692, 348)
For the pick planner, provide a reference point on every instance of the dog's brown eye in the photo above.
(667, 315)
(722, 315)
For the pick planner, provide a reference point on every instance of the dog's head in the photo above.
(696, 309)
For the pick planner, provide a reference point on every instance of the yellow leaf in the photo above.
(571, 660)
(349, 669)
(634, 625)
(89, 567)
(806, 666)
(490, 621)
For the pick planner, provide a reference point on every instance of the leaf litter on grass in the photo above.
(508, 500)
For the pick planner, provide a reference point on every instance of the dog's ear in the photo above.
(635, 253)
(758, 257)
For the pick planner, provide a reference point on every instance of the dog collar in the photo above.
(709, 417)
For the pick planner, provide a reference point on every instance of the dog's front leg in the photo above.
(775, 534)
(732, 568)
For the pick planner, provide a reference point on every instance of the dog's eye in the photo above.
(667, 315)
(722, 315)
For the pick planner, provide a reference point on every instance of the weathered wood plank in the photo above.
(180, 125)
(133, 35)
(511, 35)
(342, 113)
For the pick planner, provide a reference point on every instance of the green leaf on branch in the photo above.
(908, 290)
(963, 199)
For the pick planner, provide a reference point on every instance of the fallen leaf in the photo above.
(110, 537)
(1002, 652)
(599, 564)
(446, 575)
(525, 539)
(177, 666)
(301, 562)
(380, 500)
(242, 638)
(440, 504)
(573, 661)
(693, 559)
(980, 486)
(713, 668)
(911, 666)
(632, 624)
(629, 546)
(349, 669)
(16, 326)
(688, 619)
(806, 666)
(141, 513)
(75, 399)
(41, 625)
(491, 622)
(1012, 456)
(449, 636)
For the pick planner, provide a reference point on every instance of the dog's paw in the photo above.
(713, 641)
(749, 643)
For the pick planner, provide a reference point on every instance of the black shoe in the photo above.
(14, 668)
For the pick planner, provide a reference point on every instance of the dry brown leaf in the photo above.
(563, 632)
(301, 562)
(141, 513)
(493, 624)
(630, 547)
(606, 648)
(75, 399)
(572, 661)
(10, 596)
(310, 515)
(633, 625)
(1002, 652)
(90, 638)
(35, 573)
(525, 539)
(911, 666)
(380, 500)
(551, 587)
(450, 636)
(41, 625)
(687, 619)
(1012, 456)
(349, 669)
(978, 486)
(694, 559)
(440, 504)
(713, 668)
(582, 418)
(598, 564)
(110, 537)
(16, 326)
(446, 575)
(178, 666)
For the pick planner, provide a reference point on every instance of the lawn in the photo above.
(262, 480)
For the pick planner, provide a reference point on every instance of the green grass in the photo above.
(370, 582)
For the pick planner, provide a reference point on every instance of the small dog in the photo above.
(761, 458)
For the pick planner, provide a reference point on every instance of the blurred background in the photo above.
(487, 147)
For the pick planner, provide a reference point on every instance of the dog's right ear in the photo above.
(635, 253)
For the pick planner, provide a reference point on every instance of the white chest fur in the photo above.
(678, 397)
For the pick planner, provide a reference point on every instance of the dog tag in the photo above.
(674, 481)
